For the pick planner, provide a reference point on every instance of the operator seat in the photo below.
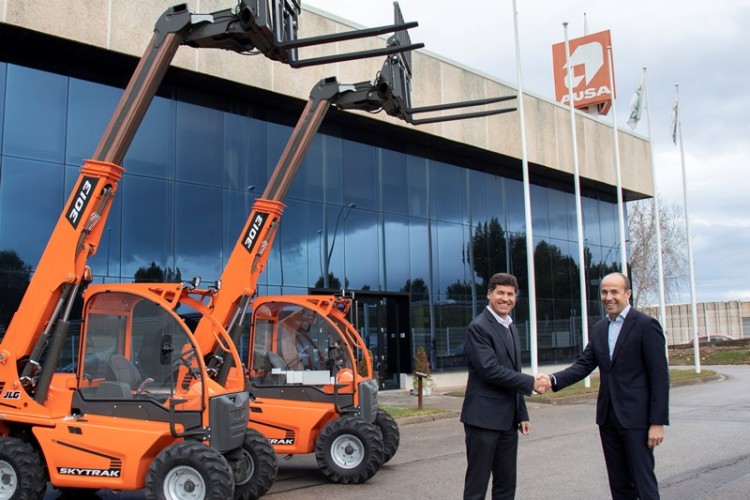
(121, 369)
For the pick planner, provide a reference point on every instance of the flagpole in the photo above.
(657, 215)
(579, 211)
(693, 306)
(527, 209)
(620, 207)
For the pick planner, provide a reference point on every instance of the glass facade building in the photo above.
(382, 220)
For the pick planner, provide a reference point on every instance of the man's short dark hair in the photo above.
(502, 279)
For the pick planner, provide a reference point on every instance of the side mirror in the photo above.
(165, 351)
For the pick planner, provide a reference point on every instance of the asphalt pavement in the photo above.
(705, 456)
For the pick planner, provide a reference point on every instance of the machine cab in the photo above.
(297, 341)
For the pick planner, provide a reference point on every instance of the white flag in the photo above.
(636, 106)
(674, 121)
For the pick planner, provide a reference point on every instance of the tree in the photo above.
(14, 279)
(644, 271)
(459, 290)
(333, 282)
(489, 248)
(417, 288)
(155, 274)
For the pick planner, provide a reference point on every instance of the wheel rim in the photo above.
(347, 451)
(247, 469)
(184, 482)
(8, 480)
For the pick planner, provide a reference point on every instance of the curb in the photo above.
(418, 419)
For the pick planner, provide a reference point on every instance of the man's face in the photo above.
(502, 299)
(614, 296)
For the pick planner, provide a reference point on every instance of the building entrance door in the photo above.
(382, 319)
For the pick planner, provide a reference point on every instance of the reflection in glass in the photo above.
(198, 231)
(244, 153)
(393, 182)
(395, 261)
(416, 177)
(448, 195)
(90, 107)
(359, 251)
(290, 240)
(360, 175)
(153, 150)
(450, 256)
(31, 201)
(516, 216)
(35, 108)
(147, 223)
(200, 132)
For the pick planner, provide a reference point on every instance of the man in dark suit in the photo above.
(632, 409)
(494, 409)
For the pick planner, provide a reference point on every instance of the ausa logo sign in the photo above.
(589, 72)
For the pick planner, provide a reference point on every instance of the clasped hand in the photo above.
(542, 383)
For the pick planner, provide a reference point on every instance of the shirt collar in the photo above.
(503, 321)
(622, 315)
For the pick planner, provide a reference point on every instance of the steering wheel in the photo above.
(185, 360)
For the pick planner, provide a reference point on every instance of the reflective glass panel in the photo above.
(416, 172)
(36, 106)
(200, 142)
(449, 192)
(147, 224)
(360, 175)
(198, 231)
(90, 106)
(515, 206)
(395, 197)
(31, 201)
(362, 246)
(396, 261)
(450, 256)
(153, 150)
(291, 240)
(244, 153)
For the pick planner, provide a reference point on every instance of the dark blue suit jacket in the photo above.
(636, 380)
(494, 392)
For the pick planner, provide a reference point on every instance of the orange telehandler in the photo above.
(311, 375)
(143, 408)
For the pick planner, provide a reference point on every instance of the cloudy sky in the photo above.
(702, 46)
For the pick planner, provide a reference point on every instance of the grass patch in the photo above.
(398, 412)
(579, 388)
(710, 356)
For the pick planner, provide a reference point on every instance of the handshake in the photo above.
(542, 383)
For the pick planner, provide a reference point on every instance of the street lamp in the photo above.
(329, 252)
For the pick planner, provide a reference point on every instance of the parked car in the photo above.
(712, 339)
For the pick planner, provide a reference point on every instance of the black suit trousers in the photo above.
(490, 452)
(630, 462)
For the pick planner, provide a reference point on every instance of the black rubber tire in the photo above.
(259, 467)
(391, 435)
(185, 466)
(349, 450)
(24, 477)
